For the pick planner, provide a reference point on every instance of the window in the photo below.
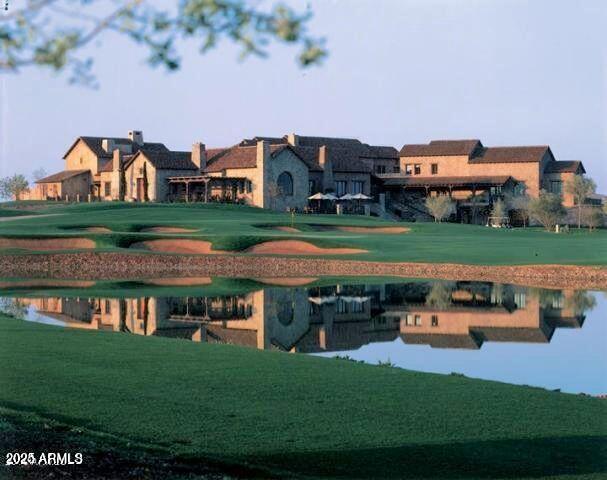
(285, 184)
(434, 168)
(249, 186)
(357, 187)
(496, 191)
(558, 301)
(408, 169)
(520, 299)
(311, 187)
(418, 320)
(556, 186)
(417, 168)
(409, 319)
(434, 321)
(108, 307)
(396, 169)
(107, 189)
(340, 188)
(341, 306)
(380, 169)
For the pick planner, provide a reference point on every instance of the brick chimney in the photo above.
(136, 136)
(199, 155)
(324, 160)
(293, 139)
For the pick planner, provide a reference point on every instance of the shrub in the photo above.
(440, 207)
(592, 217)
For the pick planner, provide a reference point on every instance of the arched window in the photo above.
(285, 184)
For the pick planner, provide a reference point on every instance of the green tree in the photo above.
(580, 187)
(53, 33)
(13, 187)
(547, 209)
(440, 207)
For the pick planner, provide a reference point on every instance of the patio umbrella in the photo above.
(317, 196)
(330, 196)
(360, 196)
(347, 196)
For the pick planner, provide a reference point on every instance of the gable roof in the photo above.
(169, 160)
(61, 176)
(95, 144)
(565, 166)
(241, 157)
(441, 148)
(510, 154)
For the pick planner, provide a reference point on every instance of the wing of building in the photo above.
(281, 173)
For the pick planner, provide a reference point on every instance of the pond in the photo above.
(554, 339)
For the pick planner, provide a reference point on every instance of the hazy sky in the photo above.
(508, 72)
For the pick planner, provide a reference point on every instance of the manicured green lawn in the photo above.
(290, 415)
(238, 227)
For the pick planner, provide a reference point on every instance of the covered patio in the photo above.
(206, 189)
(473, 196)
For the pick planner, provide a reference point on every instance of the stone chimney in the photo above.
(324, 160)
(262, 177)
(136, 136)
(263, 154)
(108, 145)
(116, 160)
(116, 177)
(199, 155)
(293, 139)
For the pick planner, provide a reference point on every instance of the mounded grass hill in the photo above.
(172, 404)
(237, 229)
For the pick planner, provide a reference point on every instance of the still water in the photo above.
(554, 339)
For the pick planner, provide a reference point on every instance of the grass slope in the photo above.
(292, 415)
(233, 227)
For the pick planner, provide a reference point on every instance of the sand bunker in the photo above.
(173, 245)
(168, 230)
(98, 230)
(179, 282)
(373, 229)
(46, 244)
(297, 247)
(287, 282)
(287, 229)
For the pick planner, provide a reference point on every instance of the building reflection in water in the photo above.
(338, 317)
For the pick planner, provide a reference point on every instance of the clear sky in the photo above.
(508, 72)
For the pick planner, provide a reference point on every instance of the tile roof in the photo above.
(61, 176)
(95, 144)
(241, 157)
(169, 160)
(514, 334)
(565, 166)
(443, 340)
(413, 181)
(439, 148)
(108, 166)
(510, 154)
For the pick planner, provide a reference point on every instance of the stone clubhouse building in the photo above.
(281, 173)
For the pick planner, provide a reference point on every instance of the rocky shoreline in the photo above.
(117, 266)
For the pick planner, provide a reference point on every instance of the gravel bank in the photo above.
(107, 266)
